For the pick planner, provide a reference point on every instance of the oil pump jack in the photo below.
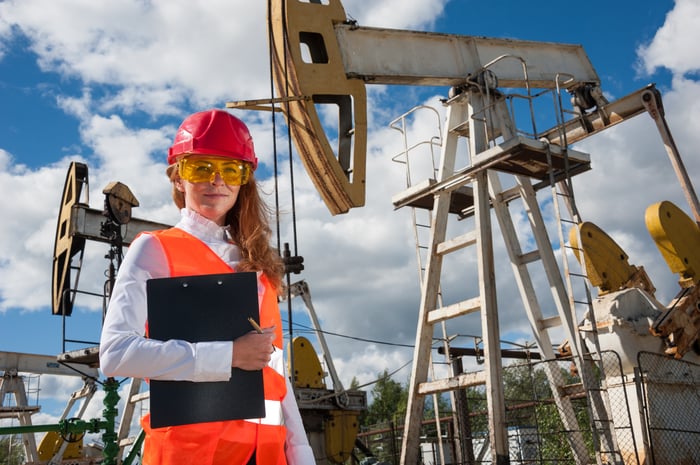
(322, 58)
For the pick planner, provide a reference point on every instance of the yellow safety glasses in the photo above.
(203, 169)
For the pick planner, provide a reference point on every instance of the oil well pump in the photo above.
(321, 59)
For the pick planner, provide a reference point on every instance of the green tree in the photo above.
(389, 400)
(384, 417)
(444, 407)
(525, 384)
(11, 450)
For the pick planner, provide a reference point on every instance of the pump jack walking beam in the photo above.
(321, 58)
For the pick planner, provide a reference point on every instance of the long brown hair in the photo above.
(249, 223)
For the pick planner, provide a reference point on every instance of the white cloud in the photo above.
(674, 45)
(395, 14)
(29, 227)
(138, 61)
(157, 55)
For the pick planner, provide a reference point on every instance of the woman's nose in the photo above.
(216, 179)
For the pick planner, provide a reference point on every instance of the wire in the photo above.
(344, 391)
(274, 125)
(310, 330)
(272, 53)
(355, 338)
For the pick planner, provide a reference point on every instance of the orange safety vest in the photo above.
(221, 442)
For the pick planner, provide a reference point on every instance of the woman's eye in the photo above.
(203, 168)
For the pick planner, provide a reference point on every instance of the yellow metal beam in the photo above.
(606, 264)
(678, 238)
(307, 62)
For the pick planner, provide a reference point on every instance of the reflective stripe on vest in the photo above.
(229, 442)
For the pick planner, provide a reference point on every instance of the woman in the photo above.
(223, 227)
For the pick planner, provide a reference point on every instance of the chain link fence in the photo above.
(670, 393)
(649, 418)
(536, 432)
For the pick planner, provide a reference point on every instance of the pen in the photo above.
(258, 329)
(255, 325)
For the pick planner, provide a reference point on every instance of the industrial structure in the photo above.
(634, 359)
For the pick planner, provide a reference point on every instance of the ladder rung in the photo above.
(127, 441)
(454, 310)
(509, 194)
(461, 381)
(16, 411)
(551, 322)
(139, 397)
(602, 424)
(529, 257)
(572, 390)
(456, 243)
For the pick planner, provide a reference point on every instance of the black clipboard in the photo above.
(198, 309)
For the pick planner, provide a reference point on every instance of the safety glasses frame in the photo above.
(203, 169)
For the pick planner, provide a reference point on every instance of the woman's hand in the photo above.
(252, 350)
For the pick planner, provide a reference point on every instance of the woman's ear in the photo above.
(178, 184)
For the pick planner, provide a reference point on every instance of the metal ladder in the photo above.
(589, 364)
(12, 383)
(133, 398)
(483, 118)
(421, 219)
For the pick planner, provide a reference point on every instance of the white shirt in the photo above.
(124, 351)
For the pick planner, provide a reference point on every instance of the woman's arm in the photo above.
(125, 351)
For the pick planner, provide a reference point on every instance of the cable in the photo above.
(274, 124)
(292, 261)
(355, 338)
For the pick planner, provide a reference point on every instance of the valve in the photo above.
(293, 264)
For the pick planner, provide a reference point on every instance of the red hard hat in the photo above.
(213, 132)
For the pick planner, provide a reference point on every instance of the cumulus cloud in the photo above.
(673, 47)
(395, 14)
(141, 66)
(155, 57)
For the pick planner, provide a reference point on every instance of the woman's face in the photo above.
(211, 199)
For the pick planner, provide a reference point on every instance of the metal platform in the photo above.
(519, 155)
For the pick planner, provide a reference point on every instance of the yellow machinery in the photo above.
(330, 414)
(52, 443)
(606, 263)
(677, 237)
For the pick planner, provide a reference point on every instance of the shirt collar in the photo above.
(203, 228)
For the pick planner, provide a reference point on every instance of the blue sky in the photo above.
(107, 83)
